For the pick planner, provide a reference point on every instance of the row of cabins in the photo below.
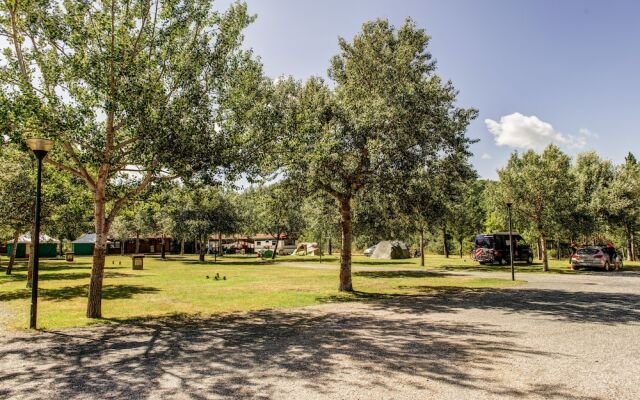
(153, 245)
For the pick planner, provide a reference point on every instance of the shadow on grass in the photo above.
(401, 274)
(251, 355)
(226, 262)
(406, 261)
(109, 292)
(63, 276)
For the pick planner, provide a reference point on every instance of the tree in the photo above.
(592, 175)
(69, 207)
(142, 223)
(387, 114)
(619, 201)
(321, 219)
(132, 93)
(539, 186)
(207, 210)
(121, 230)
(277, 210)
(466, 216)
(16, 195)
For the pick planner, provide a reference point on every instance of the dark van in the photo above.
(494, 247)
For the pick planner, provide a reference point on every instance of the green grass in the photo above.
(178, 285)
(453, 263)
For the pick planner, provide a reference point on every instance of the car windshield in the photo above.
(589, 251)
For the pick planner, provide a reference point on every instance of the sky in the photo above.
(538, 71)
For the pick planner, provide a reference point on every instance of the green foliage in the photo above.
(16, 190)
(539, 186)
(276, 209)
(386, 115)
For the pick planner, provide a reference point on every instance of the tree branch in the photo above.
(85, 174)
(64, 167)
(122, 201)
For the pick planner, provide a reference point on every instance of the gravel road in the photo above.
(558, 337)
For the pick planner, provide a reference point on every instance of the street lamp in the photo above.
(40, 148)
(513, 273)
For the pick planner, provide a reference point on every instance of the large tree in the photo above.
(386, 114)
(592, 176)
(147, 87)
(539, 186)
(619, 201)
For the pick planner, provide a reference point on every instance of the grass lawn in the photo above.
(179, 285)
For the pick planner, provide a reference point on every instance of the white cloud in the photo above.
(588, 133)
(530, 132)
(486, 156)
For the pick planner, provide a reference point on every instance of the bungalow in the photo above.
(48, 246)
(83, 246)
(252, 244)
(146, 245)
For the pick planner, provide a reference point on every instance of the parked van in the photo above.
(494, 247)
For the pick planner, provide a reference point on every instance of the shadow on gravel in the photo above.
(251, 355)
(598, 307)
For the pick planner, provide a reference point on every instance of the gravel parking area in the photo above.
(559, 336)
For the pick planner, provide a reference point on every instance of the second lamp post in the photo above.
(40, 148)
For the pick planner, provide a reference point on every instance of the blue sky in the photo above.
(566, 72)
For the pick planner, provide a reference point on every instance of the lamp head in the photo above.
(40, 144)
(40, 147)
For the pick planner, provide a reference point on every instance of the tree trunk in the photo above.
(182, 247)
(162, 255)
(632, 248)
(422, 247)
(460, 242)
(446, 244)
(539, 248)
(14, 251)
(201, 251)
(61, 249)
(221, 252)
(545, 260)
(275, 249)
(94, 305)
(346, 284)
(123, 243)
(330, 247)
(558, 250)
(137, 243)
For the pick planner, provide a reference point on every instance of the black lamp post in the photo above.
(513, 273)
(40, 148)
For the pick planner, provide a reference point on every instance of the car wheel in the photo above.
(530, 259)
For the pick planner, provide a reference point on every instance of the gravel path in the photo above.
(559, 336)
